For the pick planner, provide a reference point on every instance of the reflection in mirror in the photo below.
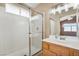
(68, 25)
(63, 19)
(78, 21)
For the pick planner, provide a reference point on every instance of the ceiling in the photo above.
(32, 5)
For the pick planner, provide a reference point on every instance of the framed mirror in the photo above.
(64, 19)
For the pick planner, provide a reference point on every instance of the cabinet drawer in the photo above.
(48, 53)
(71, 52)
(54, 49)
(45, 45)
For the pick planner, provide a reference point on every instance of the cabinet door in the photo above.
(64, 51)
(54, 48)
(76, 53)
(48, 53)
(71, 52)
(59, 50)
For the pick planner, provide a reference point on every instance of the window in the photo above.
(24, 12)
(10, 8)
(67, 27)
(14, 9)
(71, 27)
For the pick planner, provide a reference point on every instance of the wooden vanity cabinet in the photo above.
(50, 49)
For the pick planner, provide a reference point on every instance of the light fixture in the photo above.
(69, 18)
(54, 11)
(66, 7)
(59, 9)
(75, 5)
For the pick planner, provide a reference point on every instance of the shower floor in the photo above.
(34, 50)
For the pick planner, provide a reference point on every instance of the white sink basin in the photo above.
(64, 38)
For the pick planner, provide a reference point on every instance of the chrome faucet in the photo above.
(62, 38)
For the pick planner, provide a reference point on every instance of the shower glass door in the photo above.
(35, 32)
(14, 31)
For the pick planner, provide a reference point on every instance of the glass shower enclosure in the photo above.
(21, 32)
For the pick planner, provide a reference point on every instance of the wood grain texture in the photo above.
(50, 49)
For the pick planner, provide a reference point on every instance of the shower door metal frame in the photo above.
(30, 9)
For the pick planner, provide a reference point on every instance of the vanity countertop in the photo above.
(71, 44)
